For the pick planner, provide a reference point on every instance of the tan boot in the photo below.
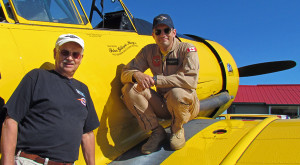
(155, 140)
(177, 140)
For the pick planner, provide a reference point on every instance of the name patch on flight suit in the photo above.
(172, 61)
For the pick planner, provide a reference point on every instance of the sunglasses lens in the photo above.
(76, 54)
(66, 53)
(157, 32)
(167, 30)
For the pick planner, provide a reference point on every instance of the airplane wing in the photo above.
(228, 142)
(134, 155)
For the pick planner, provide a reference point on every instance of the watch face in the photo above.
(155, 79)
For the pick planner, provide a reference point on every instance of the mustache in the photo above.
(68, 61)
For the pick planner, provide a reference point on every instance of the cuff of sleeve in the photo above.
(133, 79)
(159, 79)
(127, 77)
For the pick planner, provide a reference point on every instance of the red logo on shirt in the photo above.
(83, 101)
(192, 49)
(156, 60)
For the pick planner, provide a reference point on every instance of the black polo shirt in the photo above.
(53, 113)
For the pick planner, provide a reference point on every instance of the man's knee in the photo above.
(139, 106)
(130, 91)
(132, 97)
(178, 96)
(182, 104)
(128, 94)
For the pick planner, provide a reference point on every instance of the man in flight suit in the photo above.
(175, 67)
(50, 113)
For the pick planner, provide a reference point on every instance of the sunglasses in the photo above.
(166, 30)
(67, 53)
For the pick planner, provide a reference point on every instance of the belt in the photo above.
(41, 160)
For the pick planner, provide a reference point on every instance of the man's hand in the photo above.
(144, 81)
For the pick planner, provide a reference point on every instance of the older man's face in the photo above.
(68, 58)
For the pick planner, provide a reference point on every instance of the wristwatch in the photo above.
(155, 79)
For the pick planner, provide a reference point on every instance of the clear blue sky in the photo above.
(253, 31)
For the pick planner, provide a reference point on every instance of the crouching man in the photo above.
(175, 66)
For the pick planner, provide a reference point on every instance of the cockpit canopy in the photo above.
(58, 11)
(104, 14)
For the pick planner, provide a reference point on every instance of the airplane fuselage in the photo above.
(28, 44)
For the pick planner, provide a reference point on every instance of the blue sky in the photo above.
(253, 31)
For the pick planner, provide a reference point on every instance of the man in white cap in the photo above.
(50, 113)
(175, 69)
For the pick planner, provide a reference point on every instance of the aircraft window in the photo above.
(2, 17)
(221, 117)
(61, 11)
(83, 17)
(64, 12)
(8, 9)
(32, 10)
(113, 16)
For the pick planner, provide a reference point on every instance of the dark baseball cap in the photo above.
(163, 19)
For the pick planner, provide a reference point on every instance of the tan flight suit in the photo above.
(177, 78)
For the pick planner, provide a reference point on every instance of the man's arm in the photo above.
(144, 81)
(138, 64)
(9, 141)
(88, 147)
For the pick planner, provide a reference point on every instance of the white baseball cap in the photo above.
(62, 39)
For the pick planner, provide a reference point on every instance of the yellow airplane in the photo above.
(29, 29)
